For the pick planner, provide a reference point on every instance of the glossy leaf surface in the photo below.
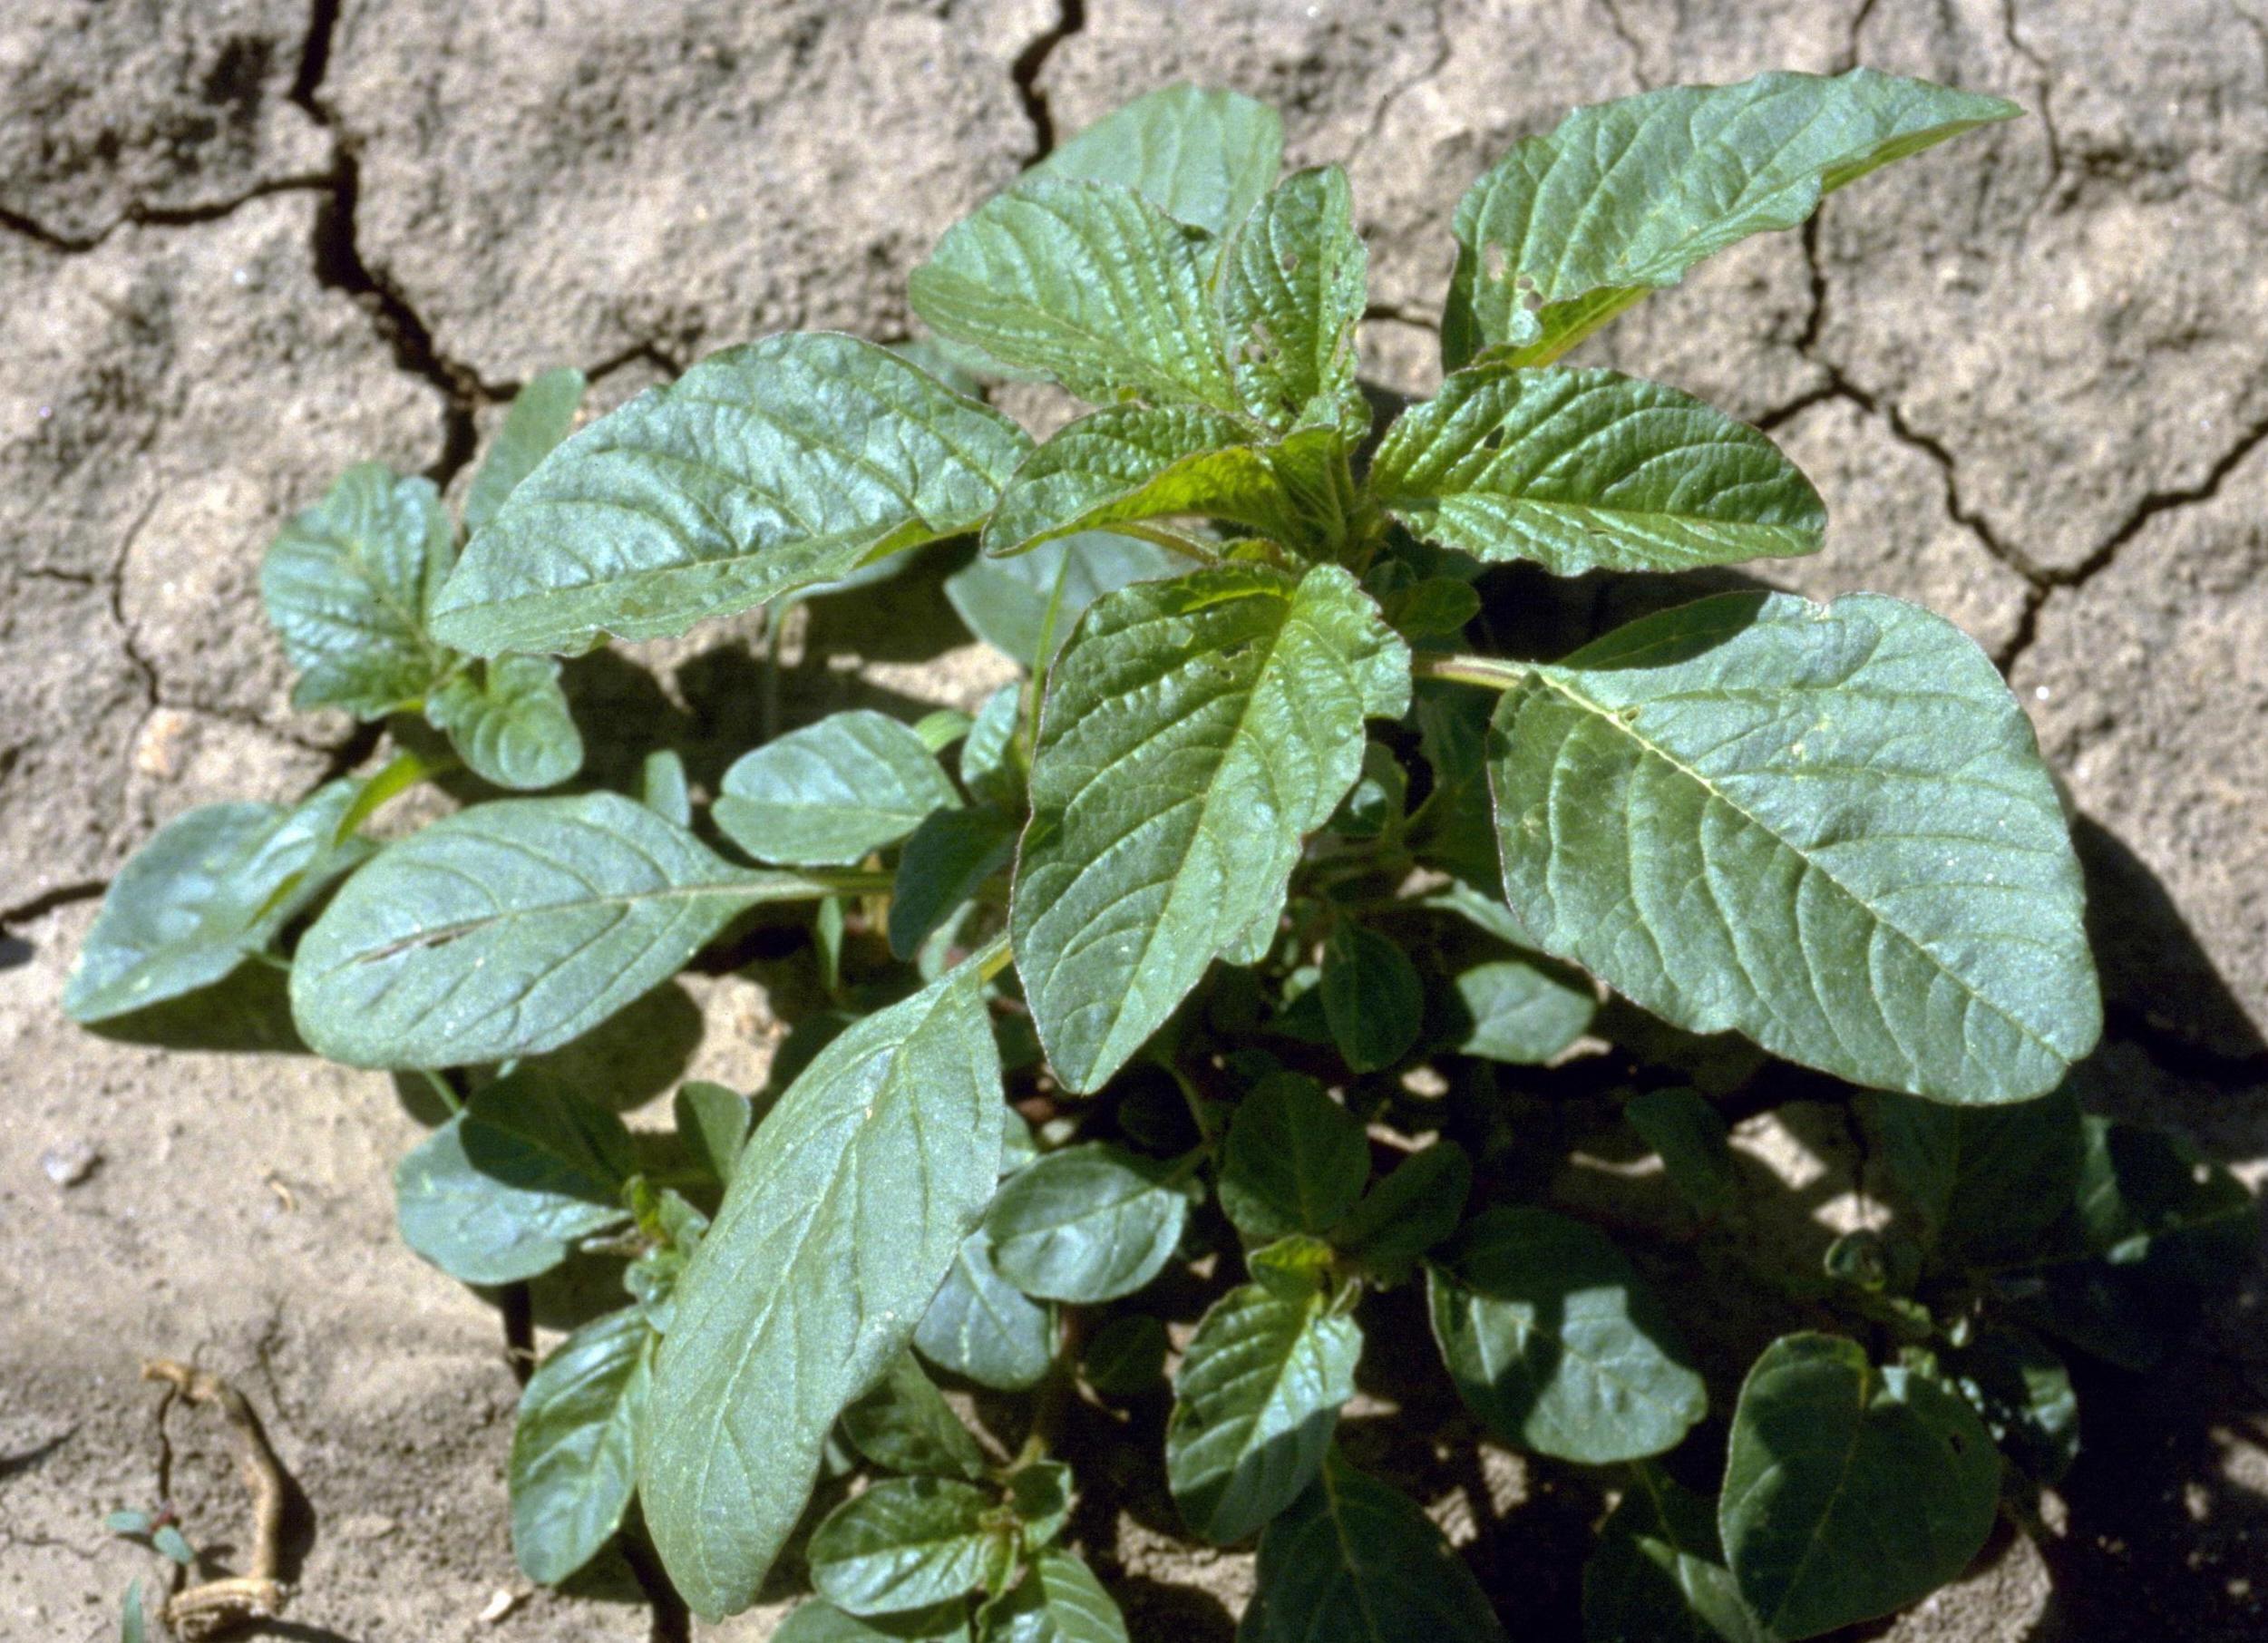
(826, 794)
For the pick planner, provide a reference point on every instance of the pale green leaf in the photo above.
(983, 1329)
(1293, 291)
(1850, 1491)
(1256, 1402)
(991, 767)
(1089, 1223)
(512, 728)
(1293, 1160)
(713, 1125)
(1025, 606)
(1658, 1575)
(1059, 1601)
(905, 1424)
(1826, 827)
(1200, 155)
(905, 1543)
(509, 1186)
(1372, 997)
(1089, 283)
(1554, 1341)
(1355, 1561)
(1591, 469)
(542, 414)
(662, 787)
(215, 884)
(945, 862)
(511, 928)
(764, 468)
(574, 1449)
(1194, 733)
(347, 586)
(1522, 1011)
(826, 794)
(1569, 230)
(843, 1218)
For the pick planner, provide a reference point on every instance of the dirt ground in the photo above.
(245, 242)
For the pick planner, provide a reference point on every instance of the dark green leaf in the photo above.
(1694, 1143)
(1040, 1493)
(1025, 605)
(944, 863)
(1372, 997)
(843, 1218)
(1126, 1358)
(1293, 291)
(764, 468)
(347, 586)
(1658, 1575)
(1437, 607)
(1255, 1403)
(1194, 731)
(816, 1620)
(2022, 1390)
(1569, 230)
(1376, 804)
(1203, 156)
(1983, 1184)
(1059, 1601)
(1088, 283)
(1408, 1212)
(1524, 1011)
(1826, 826)
(2149, 1202)
(213, 885)
(983, 1329)
(826, 794)
(1354, 1561)
(905, 1543)
(1590, 469)
(713, 1125)
(1089, 1223)
(905, 1424)
(542, 414)
(1554, 1341)
(1294, 1160)
(574, 1451)
(513, 728)
(511, 928)
(1850, 1491)
(509, 1186)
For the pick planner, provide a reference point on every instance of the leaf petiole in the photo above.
(1488, 671)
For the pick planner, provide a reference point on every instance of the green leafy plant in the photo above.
(1235, 998)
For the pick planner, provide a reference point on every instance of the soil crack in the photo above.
(1070, 19)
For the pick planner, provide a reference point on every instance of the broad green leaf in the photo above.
(991, 766)
(1194, 733)
(542, 414)
(1658, 1575)
(1438, 606)
(1694, 1143)
(213, 885)
(512, 728)
(816, 1620)
(1591, 469)
(1408, 1212)
(712, 1124)
(1355, 1561)
(1089, 283)
(905, 1543)
(2022, 1391)
(1255, 1403)
(981, 1327)
(1985, 1182)
(1372, 997)
(511, 928)
(1293, 1160)
(826, 794)
(766, 468)
(1126, 1356)
(509, 1186)
(841, 1220)
(1522, 1011)
(1025, 606)
(1850, 1489)
(348, 585)
(1554, 1341)
(574, 1450)
(662, 787)
(946, 860)
(1059, 1601)
(1377, 803)
(1455, 828)
(1827, 826)
(905, 1424)
(1204, 157)
(1293, 289)
(1089, 1223)
(2148, 1202)
(1569, 230)
(1131, 463)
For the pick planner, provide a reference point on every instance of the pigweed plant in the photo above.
(1266, 973)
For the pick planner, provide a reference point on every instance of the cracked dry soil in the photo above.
(245, 242)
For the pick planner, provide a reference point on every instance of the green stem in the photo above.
(1488, 671)
(448, 1097)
